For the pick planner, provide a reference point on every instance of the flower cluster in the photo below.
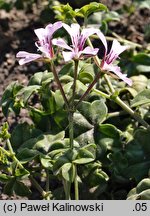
(77, 50)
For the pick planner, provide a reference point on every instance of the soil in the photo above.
(16, 33)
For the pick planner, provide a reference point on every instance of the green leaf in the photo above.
(48, 100)
(107, 137)
(59, 163)
(145, 195)
(88, 9)
(86, 73)
(64, 12)
(41, 78)
(26, 92)
(81, 125)
(85, 138)
(21, 173)
(84, 156)
(141, 99)
(46, 161)
(98, 178)
(68, 172)
(94, 112)
(143, 68)
(41, 119)
(145, 4)
(132, 91)
(142, 138)
(142, 59)
(25, 155)
(22, 133)
(132, 172)
(5, 178)
(67, 69)
(9, 187)
(45, 141)
(111, 16)
(94, 176)
(8, 101)
(17, 187)
(140, 82)
(143, 185)
(21, 189)
(109, 130)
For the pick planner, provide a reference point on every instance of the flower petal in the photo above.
(46, 50)
(40, 33)
(68, 55)
(51, 28)
(45, 34)
(26, 57)
(89, 51)
(103, 39)
(74, 32)
(61, 43)
(117, 71)
(117, 48)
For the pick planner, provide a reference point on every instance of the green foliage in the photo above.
(87, 10)
(141, 192)
(142, 98)
(66, 12)
(9, 100)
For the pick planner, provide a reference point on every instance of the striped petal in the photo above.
(68, 55)
(61, 43)
(117, 71)
(25, 57)
(89, 51)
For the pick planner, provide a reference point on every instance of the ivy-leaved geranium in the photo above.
(44, 44)
(78, 38)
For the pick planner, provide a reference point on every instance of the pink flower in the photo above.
(44, 44)
(108, 60)
(76, 50)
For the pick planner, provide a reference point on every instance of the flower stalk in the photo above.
(59, 84)
(76, 186)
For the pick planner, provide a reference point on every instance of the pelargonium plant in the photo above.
(63, 144)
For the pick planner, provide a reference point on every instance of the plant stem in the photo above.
(47, 184)
(74, 81)
(67, 187)
(101, 93)
(111, 88)
(71, 105)
(88, 89)
(39, 188)
(131, 112)
(76, 186)
(71, 132)
(59, 84)
(116, 114)
(12, 154)
(5, 152)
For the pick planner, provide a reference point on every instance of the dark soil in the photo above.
(16, 33)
